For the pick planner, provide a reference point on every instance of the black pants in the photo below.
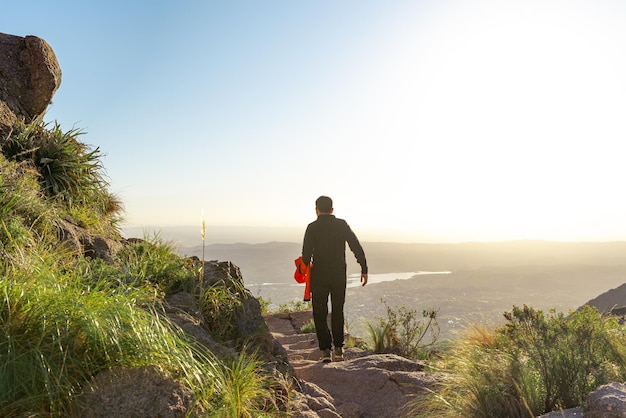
(321, 289)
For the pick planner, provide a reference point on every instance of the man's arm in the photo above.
(357, 250)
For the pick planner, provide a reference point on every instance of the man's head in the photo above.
(324, 205)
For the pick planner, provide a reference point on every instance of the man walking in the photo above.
(325, 246)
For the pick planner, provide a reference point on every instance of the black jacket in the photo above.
(325, 243)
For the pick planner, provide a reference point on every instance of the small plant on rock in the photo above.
(307, 328)
(403, 332)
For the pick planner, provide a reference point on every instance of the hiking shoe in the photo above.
(338, 354)
(326, 356)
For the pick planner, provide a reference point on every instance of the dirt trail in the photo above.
(363, 385)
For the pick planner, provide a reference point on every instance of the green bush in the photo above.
(265, 304)
(569, 355)
(534, 364)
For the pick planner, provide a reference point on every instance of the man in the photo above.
(325, 246)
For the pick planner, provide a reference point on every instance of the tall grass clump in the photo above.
(403, 332)
(221, 307)
(69, 172)
(535, 363)
(243, 388)
(153, 260)
(24, 213)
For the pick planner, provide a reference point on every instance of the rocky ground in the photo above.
(363, 385)
(384, 385)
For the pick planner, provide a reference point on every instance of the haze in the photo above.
(425, 121)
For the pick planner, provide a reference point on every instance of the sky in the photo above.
(425, 121)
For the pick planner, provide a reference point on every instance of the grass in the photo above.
(295, 306)
(65, 318)
(153, 260)
(56, 335)
(68, 171)
(307, 328)
(243, 389)
(62, 324)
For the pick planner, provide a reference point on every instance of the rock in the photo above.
(566, 413)
(608, 401)
(136, 392)
(182, 309)
(350, 410)
(328, 413)
(83, 242)
(364, 385)
(248, 320)
(29, 76)
(380, 384)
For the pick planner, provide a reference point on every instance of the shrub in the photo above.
(402, 332)
(534, 364)
(265, 304)
(570, 355)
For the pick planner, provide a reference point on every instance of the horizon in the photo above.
(190, 236)
(446, 121)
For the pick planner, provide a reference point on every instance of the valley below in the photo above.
(471, 282)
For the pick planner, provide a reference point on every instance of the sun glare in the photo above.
(510, 122)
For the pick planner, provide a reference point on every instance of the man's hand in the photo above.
(363, 279)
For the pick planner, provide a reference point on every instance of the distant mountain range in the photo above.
(276, 258)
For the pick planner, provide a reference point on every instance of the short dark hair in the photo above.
(324, 204)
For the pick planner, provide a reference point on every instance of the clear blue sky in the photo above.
(424, 120)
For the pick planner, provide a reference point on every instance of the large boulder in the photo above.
(29, 76)
(607, 401)
(134, 392)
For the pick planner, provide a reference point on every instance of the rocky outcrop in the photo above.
(145, 392)
(81, 241)
(364, 385)
(29, 76)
